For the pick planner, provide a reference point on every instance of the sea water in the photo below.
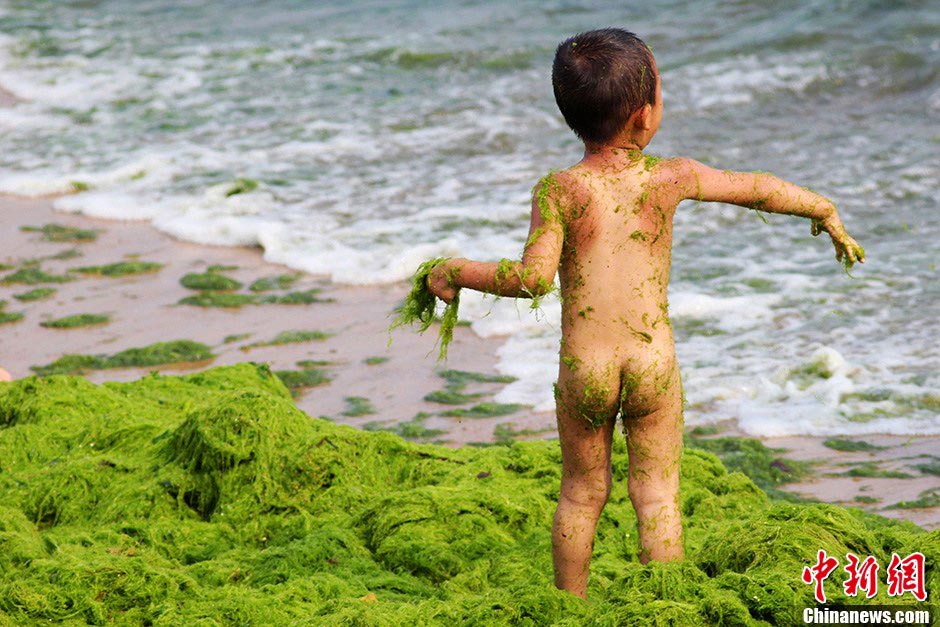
(384, 133)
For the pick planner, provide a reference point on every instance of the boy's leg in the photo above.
(582, 395)
(654, 444)
(5, 376)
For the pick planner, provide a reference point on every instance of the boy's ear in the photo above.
(644, 117)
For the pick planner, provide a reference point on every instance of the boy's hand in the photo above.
(441, 280)
(848, 251)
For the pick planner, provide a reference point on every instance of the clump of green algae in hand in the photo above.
(419, 306)
(211, 497)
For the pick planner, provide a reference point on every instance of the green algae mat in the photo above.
(211, 499)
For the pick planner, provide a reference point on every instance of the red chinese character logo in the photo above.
(818, 573)
(907, 575)
(862, 575)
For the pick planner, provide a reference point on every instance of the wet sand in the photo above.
(144, 309)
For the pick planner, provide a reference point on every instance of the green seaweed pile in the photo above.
(419, 307)
(211, 499)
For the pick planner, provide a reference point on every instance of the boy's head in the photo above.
(600, 78)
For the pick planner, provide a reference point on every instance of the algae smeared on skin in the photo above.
(173, 500)
(419, 306)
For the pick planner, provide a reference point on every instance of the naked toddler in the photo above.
(605, 226)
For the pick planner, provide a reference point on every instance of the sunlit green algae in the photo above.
(211, 499)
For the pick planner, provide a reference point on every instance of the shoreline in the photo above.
(143, 306)
(390, 383)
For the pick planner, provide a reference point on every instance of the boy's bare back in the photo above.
(614, 272)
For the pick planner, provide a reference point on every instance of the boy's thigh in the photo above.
(654, 439)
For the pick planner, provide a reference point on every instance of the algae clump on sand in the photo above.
(210, 498)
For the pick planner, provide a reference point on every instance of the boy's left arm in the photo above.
(533, 276)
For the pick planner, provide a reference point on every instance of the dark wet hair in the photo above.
(600, 78)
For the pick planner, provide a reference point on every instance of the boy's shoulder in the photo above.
(562, 188)
(574, 186)
(579, 178)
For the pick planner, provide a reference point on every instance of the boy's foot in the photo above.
(5, 376)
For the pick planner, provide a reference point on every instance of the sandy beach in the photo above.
(370, 384)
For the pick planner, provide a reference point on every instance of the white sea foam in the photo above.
(532, 358)
(736, 81)
(730, 313)
(22, 117)
(106, 204)
(155, 168)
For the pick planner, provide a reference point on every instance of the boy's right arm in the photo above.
(764, 192)
(532, 276)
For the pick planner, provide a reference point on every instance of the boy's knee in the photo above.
(650, 496)
(592, 490)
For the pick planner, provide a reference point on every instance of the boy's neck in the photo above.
(591, 148)
(626, 141)
(620, 152)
